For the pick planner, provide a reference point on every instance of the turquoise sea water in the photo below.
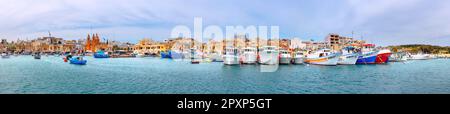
(23, 74)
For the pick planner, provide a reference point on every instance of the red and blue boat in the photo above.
(383, 56)
(367, 58)
(370, 56)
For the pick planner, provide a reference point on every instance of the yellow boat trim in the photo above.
(316, 60)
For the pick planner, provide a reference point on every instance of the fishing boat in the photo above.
(77, 61)
(383, 56)
(348, 57)
(249, 56)
(5, 55)
(367, 55)
(140, 55)
(101, 54)
(231, 56)
(165, 54)
(298, 57)
(216, 57)
(398, 57)
(285, 57)
(37, 55)
(419, 56)
(323, 57)
(171, 54)
(269, 55)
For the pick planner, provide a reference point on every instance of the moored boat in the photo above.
(217, 57)
(419, 56)
(37, 55)
(285, 57)
(367, 55)
(231, 56)
(348, 57)
(383, 56)
(101, 54)
(323, 57)
(5, 55)
(398, 57)
(269, 55)
(299, 57)
(249, 55)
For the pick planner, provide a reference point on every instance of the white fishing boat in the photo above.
(249, 55)
(299, 57)
(285, 57)
(398, 57)
(269, 55)
(349, 56)
(323, 57)
(231, 56)
(419, 56)
(5, 55)
(37, 55)
(217, 57)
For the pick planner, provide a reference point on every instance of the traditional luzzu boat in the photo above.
(383, 56)
(323, 57)
(77, 61)
(101, 54)
(348, 57)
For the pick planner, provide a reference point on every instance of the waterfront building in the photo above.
(94, 44)
(337, 42)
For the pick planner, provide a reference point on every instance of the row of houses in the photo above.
(93, 43)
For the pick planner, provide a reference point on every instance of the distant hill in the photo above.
(415, 48)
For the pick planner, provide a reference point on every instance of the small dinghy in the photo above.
(37, 56)
(78, 61)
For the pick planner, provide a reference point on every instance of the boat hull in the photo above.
(285, 60)
(230, 60)
(216, 57)
(382, 58)
(78, 62)
(96, 55)
(249, 59)
(327, 61)
(298, 60)
(347, 60)
(369, 58)
(269, 59)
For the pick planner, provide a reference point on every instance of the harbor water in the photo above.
(23, 74)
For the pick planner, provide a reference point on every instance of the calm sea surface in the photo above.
(23, 74)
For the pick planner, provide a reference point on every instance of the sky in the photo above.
(383, 22)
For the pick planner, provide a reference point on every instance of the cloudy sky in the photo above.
(383, 22)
